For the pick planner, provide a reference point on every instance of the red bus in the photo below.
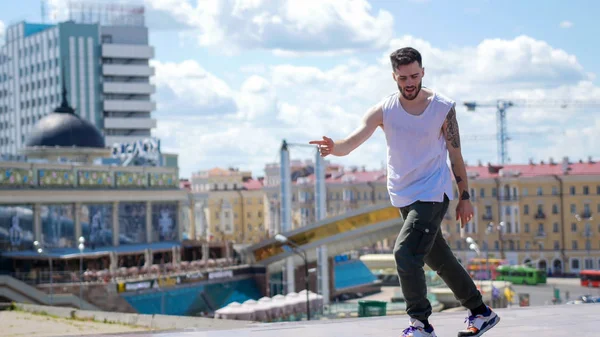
(590, 278)
(482, 268)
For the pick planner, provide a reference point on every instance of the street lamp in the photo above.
(474, 247)
(40, 250)
(587, 234)
(81, 248)
(282, 239)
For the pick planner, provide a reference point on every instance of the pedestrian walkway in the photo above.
(546, 321)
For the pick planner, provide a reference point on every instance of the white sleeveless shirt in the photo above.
(417, 167)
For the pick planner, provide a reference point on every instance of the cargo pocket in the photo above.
(425, 224)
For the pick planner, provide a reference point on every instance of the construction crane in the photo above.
(502, 105)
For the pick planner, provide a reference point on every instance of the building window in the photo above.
(555, 227)
(574, 244)
(572, 190)
(586, 190)
(526, 209)
(540, 191)
(574, 227)
(575, 264)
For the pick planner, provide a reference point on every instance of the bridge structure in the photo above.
(323, 239)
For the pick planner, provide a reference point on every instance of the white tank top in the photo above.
(417, 167)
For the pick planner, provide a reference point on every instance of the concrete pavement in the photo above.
(548, 321)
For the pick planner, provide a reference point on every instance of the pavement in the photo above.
(548, 321)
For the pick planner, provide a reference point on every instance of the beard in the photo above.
(413, 94)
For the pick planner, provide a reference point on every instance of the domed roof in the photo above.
(63, 128)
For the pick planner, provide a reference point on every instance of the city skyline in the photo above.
(230, 88)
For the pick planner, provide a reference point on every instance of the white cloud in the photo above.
(286, 27)
(301, 103)
(187, 88)
(566, 24)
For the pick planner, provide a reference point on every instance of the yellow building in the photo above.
(229, 206)
(347, 190)
(546, 211)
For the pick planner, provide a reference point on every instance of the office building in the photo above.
(105, 68)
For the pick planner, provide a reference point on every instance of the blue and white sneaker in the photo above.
(417, 329)
(477, 325)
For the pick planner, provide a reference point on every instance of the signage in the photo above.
(191, 277)
(145, 149)
(220, 274)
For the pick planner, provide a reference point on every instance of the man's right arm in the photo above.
(369, 123)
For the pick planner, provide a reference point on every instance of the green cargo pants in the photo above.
(420, 241)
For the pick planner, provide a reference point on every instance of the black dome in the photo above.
(65, 129)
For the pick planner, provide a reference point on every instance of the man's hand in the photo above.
(325, 146)
(464, 212)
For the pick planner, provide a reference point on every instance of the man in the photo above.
(421, 131)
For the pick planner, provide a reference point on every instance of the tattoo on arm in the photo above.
(452, 133)
(456, 177)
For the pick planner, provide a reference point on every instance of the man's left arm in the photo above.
(451, 132)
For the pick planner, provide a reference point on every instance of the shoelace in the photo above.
(471, 320)
(409, 330)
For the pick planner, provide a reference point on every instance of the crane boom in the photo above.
(502, 105)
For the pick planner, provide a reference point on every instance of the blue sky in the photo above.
(236, 77)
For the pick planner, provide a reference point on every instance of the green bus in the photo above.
(521, 274)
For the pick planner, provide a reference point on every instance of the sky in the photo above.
(236, 77)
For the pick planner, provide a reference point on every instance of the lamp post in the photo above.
(39, 247)
(295, 248)
(474, 247)
(81, 248)
(587, 234)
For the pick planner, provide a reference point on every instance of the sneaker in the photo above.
(479, 324)
(417, 329)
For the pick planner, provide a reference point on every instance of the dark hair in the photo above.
(404, 56)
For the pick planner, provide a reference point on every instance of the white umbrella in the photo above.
(286, 306)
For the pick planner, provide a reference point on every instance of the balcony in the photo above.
(128, 88)
(509, 198)
(127, 70)
(129, 123)
(540, 235)
(587, 234)
(584, 216)
(127, 51)
(486, 217)
(540, 215)
(129, 106)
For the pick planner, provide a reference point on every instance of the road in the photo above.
(542, 294)
(538, 295)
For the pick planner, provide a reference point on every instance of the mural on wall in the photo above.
(97, 225)
(16, 227)
(164, 222)
(132, 222)
(58, 226)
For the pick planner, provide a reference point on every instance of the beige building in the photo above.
(347, 189)
(547, 212)
(229, 206)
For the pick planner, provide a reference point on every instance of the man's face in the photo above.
(409, 78)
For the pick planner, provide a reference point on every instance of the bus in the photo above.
(521, 274)
(482, 269)
(590, 278)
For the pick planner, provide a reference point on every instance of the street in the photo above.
(542, 294)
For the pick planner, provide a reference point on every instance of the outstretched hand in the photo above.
(325, 146)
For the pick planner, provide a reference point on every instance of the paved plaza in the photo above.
(547, 321)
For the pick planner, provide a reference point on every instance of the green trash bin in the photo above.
(371, 308)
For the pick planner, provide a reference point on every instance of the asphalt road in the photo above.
(542, 294)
